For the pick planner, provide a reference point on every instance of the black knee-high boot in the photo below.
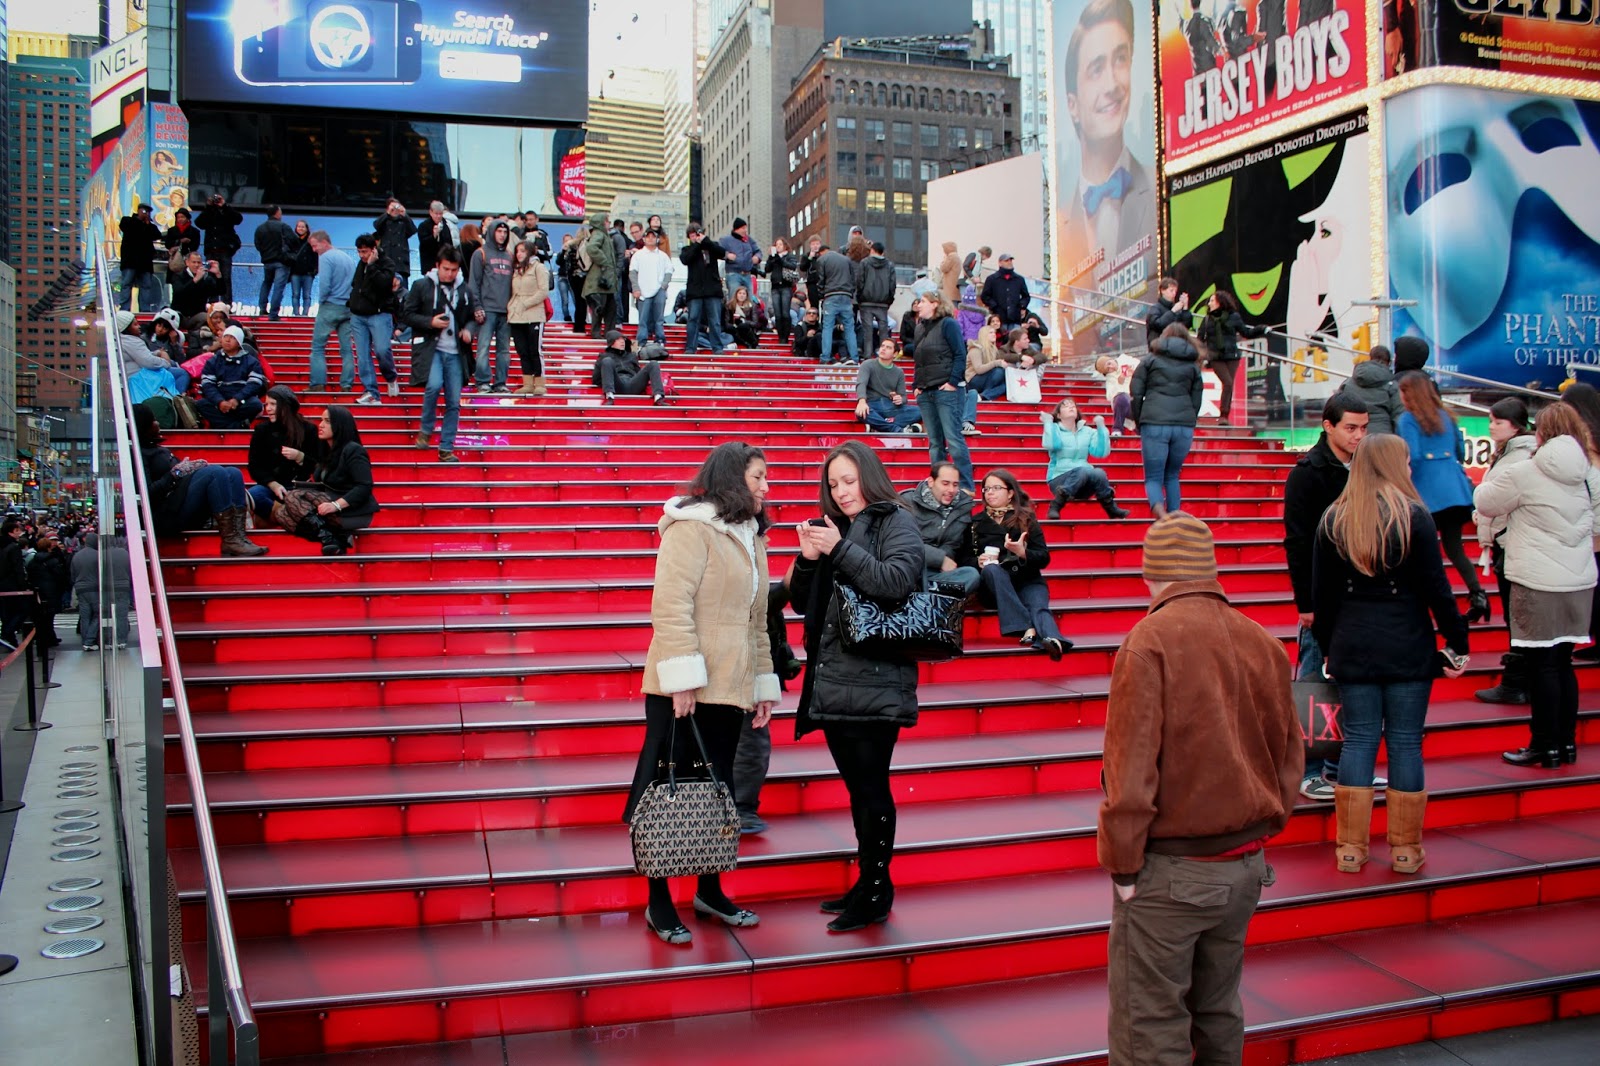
(874, 894)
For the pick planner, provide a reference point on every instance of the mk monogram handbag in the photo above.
(1321, 713)
(926, 628)
(685, 828)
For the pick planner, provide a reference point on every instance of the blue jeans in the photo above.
(336, 318)
(495, 328)
(1309, 668)
(563, 300)
(886, 414)
(445, 374)
(152, 297)
(941, 417)
(1164, 449)
(835, 309)
(991, 385)
(212, 490)
(274, 279)
(737, 281)
(300, 291)
(964, 577)
(261, 500)
(705, 311)
(651, 309)
(1021, 606)
(1394, 711)
(374, 337)
(1080, 482)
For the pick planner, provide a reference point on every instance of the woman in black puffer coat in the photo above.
(1220, 330)
(1166, 404)
(867, 540)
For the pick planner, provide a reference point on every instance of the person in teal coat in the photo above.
(1437, 449)
(1071, 445)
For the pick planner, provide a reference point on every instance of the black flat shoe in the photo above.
(677, 934)
(737, 917)
(1569, 754)
(1056, 648)
(1547, 760)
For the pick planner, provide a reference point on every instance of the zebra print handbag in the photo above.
(926, 628)
(685, 828)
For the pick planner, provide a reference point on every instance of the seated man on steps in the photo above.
(232, 384)
(943, 510)
(618, 370)
(881, 394)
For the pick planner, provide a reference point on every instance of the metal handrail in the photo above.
(222, 947)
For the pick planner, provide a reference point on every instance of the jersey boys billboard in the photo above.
(1228, 66)
(478, 60)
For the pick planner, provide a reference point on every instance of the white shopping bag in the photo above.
(1022, 386)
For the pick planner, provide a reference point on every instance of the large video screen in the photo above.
(522, 60)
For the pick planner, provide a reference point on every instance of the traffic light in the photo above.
(1362, 339)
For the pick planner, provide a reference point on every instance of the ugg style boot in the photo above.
(1353, 811)
(538, 386)
(526, 388)
(1406, 810)
(230, 524)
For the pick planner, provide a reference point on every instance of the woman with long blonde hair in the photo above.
(1377, 577)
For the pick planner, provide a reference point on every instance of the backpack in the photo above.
(161, 406)
(652, 351)
(585, 260)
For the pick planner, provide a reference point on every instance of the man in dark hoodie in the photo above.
(618, 370)
(875, 288)
(489, 281)
(1314, 483)
(600, 283)
(1410, 353)
(1373, 382)
(372, 304)
(1005, 293)
(701, 255)
(394, 230)
(220, 224)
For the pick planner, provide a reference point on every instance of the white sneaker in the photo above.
(970, 430)
(369, 399)
(394, 387)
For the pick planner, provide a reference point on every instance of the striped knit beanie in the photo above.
(1178, 547)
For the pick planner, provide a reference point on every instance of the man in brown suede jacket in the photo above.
(1203, 759)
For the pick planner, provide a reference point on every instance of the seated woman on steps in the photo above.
(284, 449)
(710, 655)
(183, 494)
(1012, 555)
(346, 476)
(1071, 445)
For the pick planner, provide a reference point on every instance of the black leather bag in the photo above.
(1320, 710)
(926, 628)
(685, 828)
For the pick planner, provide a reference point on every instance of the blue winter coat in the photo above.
(1436, 463)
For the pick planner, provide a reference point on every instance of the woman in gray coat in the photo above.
(867, 540)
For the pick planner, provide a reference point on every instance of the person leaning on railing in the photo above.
(183, 493)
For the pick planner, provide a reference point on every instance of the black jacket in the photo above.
(266, 462)
(139, 240)
(1377, 629)
(1167, 387)
(880, 555)
(431, 237)
(422, 303)
(47, 573)
(272, 241)
(626, 358)
(168, 491)
(1374, 384)
(347, 474)
(875, 281)
(783, 270)
(191, 295)
(835, 276)
(1005, 293)
(13, 573)
(1160, 317)
(1315, 482)
(946, 531)
(220, 225)
(394, 241)
(987, 533)
(188, 240)
(702, 257)
(372, 288)
(1221, 330)
(300, 256)
(540, 239)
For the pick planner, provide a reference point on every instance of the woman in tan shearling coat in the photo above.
(950, 273)
(710, 655)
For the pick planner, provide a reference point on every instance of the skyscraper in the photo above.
(1019, 31)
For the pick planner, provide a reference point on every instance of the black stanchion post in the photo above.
(7, 964)
(6, 807)
(32, 725)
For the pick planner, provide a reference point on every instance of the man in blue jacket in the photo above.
(231, 384)
(744, 255)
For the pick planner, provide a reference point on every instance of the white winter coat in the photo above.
(1552, 509)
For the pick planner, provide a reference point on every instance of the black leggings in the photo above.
(1553, 691)
(862, 751)
(1497, 555)
(525, 335)
(1450, 521)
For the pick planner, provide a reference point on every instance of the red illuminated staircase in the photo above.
(417, 755)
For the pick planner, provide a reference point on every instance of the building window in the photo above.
(982, 139)
(958, 136)
(902, 203)
(874, 167)
(902, 135)
(874, 199)
(930, 136)
(902, 168)
(845, 198)
(930, 170)
(847, 164)
(873, 128)
(845, 126)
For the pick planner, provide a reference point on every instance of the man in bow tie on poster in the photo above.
(1114, 205)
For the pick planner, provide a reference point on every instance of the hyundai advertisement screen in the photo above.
(522, 60)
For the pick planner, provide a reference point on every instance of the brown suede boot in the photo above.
(538, 386)
(1353, 811)
(526, 388)
(231, 524)
(1406, 810)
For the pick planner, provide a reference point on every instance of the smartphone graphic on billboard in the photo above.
(315, 42)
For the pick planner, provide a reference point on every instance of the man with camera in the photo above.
(220, 223)
(139, 239)
(394, 230)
